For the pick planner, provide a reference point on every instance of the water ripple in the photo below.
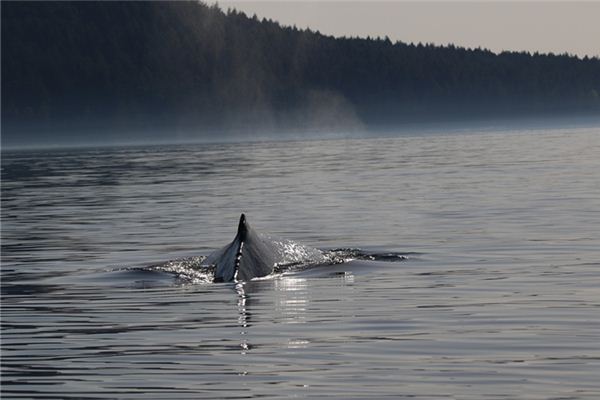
(495, 295)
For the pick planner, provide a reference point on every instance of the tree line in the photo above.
(188, 64)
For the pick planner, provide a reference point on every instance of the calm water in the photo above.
(499, 297)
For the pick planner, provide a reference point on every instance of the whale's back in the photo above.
(252, 254)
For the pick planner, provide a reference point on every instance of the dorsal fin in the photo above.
(242, 228)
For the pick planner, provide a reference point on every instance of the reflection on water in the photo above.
(497, 298)
(244, 316)
(291, 303)
(291, 300)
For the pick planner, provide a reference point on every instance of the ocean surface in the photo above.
(485, 283)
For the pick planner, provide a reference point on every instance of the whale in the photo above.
(252, 254)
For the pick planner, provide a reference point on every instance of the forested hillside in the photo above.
(161, 67)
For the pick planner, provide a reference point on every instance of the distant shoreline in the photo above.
(523, 125)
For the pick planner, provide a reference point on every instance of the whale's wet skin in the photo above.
(253, 255)
(106, 291)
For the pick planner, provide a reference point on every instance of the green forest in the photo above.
(166, 66)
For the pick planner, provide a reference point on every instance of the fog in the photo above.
(107, 73)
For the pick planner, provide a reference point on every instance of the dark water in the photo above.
(499, 297)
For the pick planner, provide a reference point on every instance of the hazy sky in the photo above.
(544, 26)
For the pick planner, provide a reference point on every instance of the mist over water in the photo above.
(497, 297)
(161, 72)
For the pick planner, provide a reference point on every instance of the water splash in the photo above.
(187, 270)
